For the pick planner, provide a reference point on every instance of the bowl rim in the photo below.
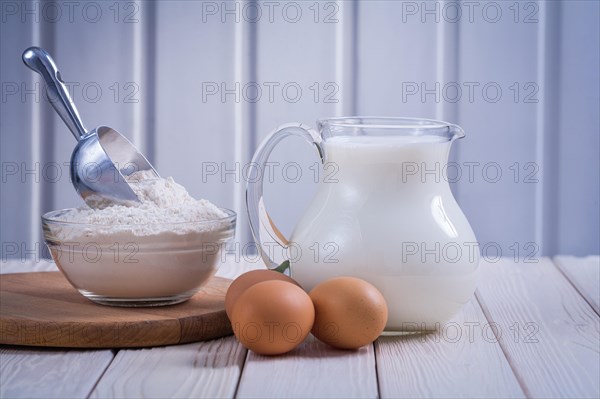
(49, 217)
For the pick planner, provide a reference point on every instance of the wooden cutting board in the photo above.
(43, 309)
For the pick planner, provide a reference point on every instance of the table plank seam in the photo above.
(376, 370)
(500, 342)
(573, 284)
(103, 373)
(237, 385)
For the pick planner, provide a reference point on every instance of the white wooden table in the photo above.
(531, 330)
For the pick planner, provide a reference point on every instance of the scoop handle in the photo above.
(38, 60)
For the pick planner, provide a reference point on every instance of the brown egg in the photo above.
(349, 312)
(247, 280)
(272, 317)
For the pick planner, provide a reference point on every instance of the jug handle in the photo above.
(263, 229)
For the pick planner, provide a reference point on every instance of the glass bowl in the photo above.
(139, 264)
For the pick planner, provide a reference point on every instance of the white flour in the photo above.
(164, 203)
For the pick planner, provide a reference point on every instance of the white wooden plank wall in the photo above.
(180, 79)
(502, 130)
(578, 122)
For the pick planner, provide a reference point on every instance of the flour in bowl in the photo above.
(163, 205)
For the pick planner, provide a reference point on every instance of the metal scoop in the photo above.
(103, 159)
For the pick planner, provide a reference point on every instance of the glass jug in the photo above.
(383, 212)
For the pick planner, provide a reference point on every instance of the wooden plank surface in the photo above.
(584, 274)
(21, 366)
(28, 266)
(459, 361)
(210, 369)
(550, 335)
(560, 359)
(312, 370)
(49, 373)
(200, 370)
(29, 304)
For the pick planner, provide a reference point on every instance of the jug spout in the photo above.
(455, 132)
